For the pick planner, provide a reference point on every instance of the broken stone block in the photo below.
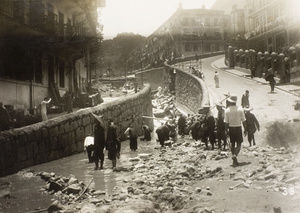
(55, 186)
(292, 180)
(55, 206)
(72, 180)
(269, 176)
(73, 189)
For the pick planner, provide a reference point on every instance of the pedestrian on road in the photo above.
(217, 79)
(132, 138)
(245, 99)
(113, 144)
(221, 136)
(234, 116)
(99, 141)
(147, 133)
(44, 108)
(5, 120)
(252, 124)
(271, 79)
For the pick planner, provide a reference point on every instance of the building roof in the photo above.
(226, 5)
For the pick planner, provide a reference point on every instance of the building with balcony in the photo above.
(46, 48)
(272, 25)
(187, 32)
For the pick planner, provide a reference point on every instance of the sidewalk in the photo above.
(245, 73)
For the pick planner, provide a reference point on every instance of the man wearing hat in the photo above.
(113, 144)
(99, 141)
(209, 127)
(233, 118)
(252, 124)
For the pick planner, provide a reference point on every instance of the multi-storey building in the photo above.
(46, 49)
(272, 25)
(187, 32)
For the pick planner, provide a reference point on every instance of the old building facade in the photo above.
(46, 49)
(187, 32)
(272, 25)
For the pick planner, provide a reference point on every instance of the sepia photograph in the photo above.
(150, 106)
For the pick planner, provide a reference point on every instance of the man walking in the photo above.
(217, 79)
(221, 126)
(245, 99)
(113, 144)
(252, 124)
(234, 116)
(99, 141)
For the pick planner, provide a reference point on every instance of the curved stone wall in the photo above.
(190, 91)
(63, 136)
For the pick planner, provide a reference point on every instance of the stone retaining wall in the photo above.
(63, 136)
(190, 91)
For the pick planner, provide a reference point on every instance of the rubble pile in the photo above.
(171, 179)
(163, 105)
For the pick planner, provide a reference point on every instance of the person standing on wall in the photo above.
(44, 108)
(234, 116)
(113, 144)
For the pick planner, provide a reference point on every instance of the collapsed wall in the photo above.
(190, 91)
(64, 135)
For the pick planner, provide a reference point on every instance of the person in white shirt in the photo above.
(234, 118)
(44, 108)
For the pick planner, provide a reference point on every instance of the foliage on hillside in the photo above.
(116, 52)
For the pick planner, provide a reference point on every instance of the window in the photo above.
(216, 22)
(187, 47)
(195, 47)
(207, 22)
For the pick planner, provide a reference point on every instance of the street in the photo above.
(268, 109)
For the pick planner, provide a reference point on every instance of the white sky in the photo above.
(141, 16)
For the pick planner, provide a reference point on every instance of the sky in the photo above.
(141, 16)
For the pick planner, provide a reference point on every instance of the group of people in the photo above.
(103, 139)
(228, 123)
(107, 138)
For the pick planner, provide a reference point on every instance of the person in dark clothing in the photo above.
(99, 142)
(271, 79)
(245, 99)
(209, 128)
(163, 134)
(181, 125)
(147, 133)
(132, 138)
(69, 102)
(221, 136)
(113, 144)
(5, 120)
(252, 124)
